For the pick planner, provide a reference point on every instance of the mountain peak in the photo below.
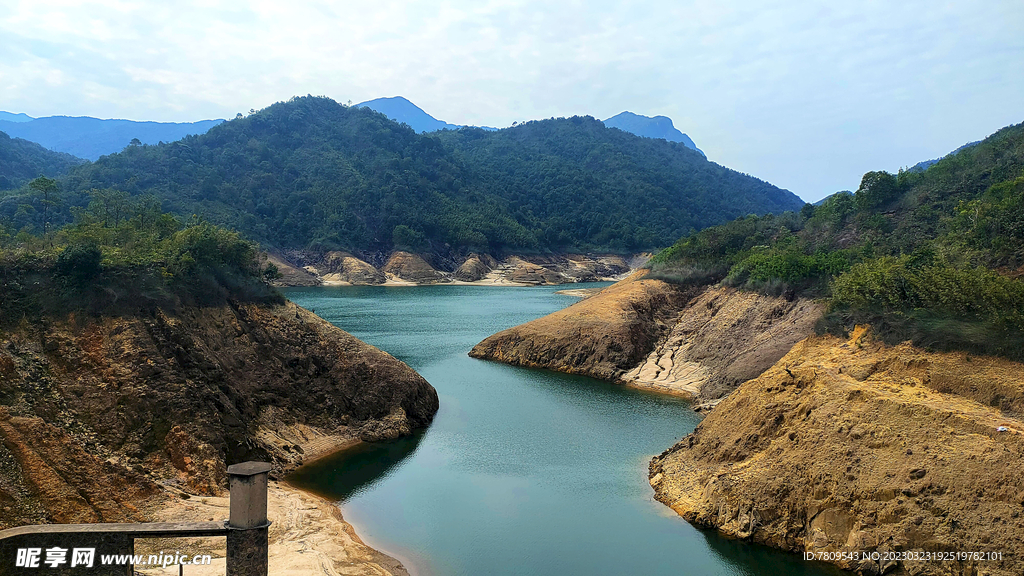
(400, 109)
(650, 127)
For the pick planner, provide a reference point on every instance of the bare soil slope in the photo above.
(857, 447)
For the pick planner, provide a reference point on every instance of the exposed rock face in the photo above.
(45, 475)
(412, 268)
(94, 410)
(585, 269)
(292, 275)
(475, 268)
(857, 447)
(723, 338)
(525, 272)
(343, 267)
(603, 336)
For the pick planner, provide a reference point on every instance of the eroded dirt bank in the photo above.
(696, 342)
(603, 336)
(854, 446)
(107, 418)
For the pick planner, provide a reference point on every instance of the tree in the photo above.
(148, 209)
(135, 142)
(48, 192)
(110, 206)
(876, 189)
(80, 262)
(271, 272)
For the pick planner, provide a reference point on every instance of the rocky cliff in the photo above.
(100, 412)
(853, 446)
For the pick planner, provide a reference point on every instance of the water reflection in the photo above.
(340, 476)
(748, 559)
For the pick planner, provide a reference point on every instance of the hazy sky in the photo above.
(806, 95)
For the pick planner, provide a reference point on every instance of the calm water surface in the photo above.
(523, 471)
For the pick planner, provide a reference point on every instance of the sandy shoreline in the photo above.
(578, 292)
(390, 282)
(582, 293)
(308, 535)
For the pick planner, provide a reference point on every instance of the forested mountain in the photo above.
(21, 161)
(311, 173)
(582, 182)
(91, 138)
(648, 127)
(932, 255)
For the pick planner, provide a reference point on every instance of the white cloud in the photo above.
(808, 95)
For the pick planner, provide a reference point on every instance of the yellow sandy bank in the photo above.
(308, 536)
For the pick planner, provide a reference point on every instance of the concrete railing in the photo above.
(27, 549)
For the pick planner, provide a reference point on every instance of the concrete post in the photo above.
(248, 540)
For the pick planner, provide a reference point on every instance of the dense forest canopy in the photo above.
(579, 182)
(932, 255)
(311, 173)
(21, 161)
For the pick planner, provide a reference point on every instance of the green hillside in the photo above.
(311, 173)
(934, 256)
(141, 261)
(21, 161)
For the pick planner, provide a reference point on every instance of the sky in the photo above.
(805, 95)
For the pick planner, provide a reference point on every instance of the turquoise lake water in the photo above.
(523, 471)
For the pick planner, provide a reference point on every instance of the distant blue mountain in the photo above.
(8, 117)
(401, 110)
(656, 127)
(91, 138)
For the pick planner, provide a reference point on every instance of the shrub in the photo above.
(80, 262)
(892, 284)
